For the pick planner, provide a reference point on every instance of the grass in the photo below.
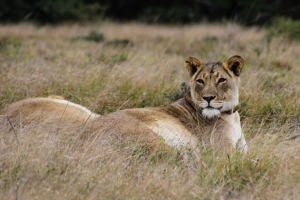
(286, 27)
(146, 70)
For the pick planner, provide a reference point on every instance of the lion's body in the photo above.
(206, 116)
(177, 125)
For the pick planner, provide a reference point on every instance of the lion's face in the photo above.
(214, 86)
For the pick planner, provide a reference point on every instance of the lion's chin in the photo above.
(210, 113)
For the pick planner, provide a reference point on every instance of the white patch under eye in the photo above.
(210, 113)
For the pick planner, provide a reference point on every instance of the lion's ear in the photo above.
(235, 64)
(192, 65)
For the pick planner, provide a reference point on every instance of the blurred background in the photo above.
(246, 12)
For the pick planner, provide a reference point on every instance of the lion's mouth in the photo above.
(210, 107)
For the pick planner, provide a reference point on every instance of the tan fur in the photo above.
(183, 124)
(204, 117)
(53, 109)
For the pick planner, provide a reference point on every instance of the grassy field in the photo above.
(108, 67)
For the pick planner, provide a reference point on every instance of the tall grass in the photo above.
(38, 162)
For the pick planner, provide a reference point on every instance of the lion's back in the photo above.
(57, 110)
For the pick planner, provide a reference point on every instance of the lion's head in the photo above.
(214, 86)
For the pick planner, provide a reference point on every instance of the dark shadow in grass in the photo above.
(98, 37)
(94, 36)
(179, 93)
(119, 43)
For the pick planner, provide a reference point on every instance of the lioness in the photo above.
(207, 115)
(51, 109)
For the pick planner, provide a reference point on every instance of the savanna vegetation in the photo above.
(107, 67)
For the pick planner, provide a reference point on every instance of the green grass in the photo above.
(136, 65)
(286, 27)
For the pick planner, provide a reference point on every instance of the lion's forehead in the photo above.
(213, 70)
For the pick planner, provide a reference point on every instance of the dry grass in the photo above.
(38, 163)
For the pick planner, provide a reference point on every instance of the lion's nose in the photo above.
(209, 98)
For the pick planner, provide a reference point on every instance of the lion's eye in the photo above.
(200, 81)
(222, 80)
